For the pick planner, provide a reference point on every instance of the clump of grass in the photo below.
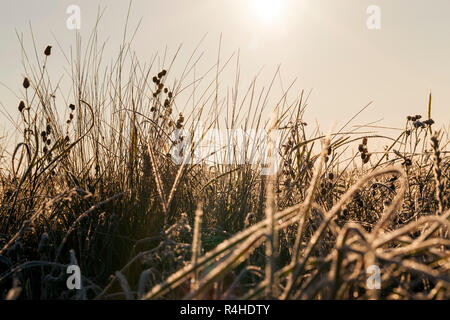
(97, 187)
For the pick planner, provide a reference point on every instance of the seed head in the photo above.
(48, 51)
(419, 124)
(26, 83)
(407, 162)
(162, 74)
(21, 106)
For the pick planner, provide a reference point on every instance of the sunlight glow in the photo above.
(268, 10)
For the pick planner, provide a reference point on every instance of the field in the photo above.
(97, 187)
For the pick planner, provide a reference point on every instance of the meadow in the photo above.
(93, 183)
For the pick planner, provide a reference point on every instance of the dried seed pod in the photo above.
(418, 124)
(21, 106)
(162, 74)
(26, 83)
(48, 51)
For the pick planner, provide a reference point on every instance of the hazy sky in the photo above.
(325, 44)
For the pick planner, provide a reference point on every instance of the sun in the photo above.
(268, 10)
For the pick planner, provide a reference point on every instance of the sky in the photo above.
(325, 45)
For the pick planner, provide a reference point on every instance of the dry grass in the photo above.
(97, 189)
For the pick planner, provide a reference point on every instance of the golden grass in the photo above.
(98, 189)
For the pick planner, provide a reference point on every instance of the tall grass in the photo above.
(96, 187)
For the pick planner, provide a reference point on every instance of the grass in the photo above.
(95, 187)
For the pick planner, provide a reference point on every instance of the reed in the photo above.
(98, 187)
